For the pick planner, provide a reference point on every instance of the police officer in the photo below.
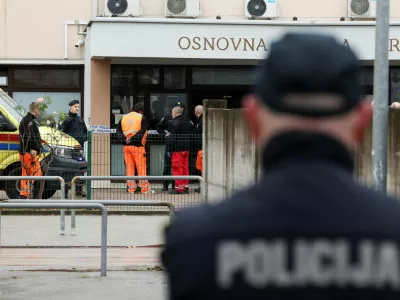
(75, 126)
(307, 230)
(161, 127)
(30, 148)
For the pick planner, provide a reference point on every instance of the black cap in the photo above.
(307, 66)
(180, 104)
(73, 102)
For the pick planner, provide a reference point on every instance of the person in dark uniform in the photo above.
(198, 138)
(178, 146)
(75, 126)
(30, 148)
(161, 127)
(307, 230)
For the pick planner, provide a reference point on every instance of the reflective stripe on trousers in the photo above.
(135, 156)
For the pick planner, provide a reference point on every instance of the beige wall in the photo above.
(234, 9)
(34, 29)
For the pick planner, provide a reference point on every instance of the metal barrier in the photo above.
(105, 203)
(91, 178)
(65, 205)
(45, 178)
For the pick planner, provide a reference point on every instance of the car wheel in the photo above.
(12, 187)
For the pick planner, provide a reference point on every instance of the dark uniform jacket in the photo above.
(136, 140)
(181, 129)
(198, 131)
(29, 135)
(163, 124)
(307, 230)
(75, 126)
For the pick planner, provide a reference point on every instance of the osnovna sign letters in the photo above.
(246, 44)
(222, 43)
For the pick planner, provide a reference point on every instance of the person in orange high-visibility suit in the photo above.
(199, 161)
(30, 148)
(133, 130)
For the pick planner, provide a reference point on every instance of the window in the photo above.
(3, 78)
(395, 85)
(59, 100)
(122, 93)
(5, 124)
(161, 104)
(174, 78)
(46, 78)
(367, 77)
(223, 76)
(148, 75)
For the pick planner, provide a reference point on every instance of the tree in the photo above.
(45, 119)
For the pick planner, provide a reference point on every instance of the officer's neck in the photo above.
(306, 147)
(72, 114)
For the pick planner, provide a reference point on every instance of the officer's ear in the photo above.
(364, 113)
(252, 109)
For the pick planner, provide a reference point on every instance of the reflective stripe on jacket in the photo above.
(131, 124)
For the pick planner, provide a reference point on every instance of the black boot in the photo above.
(165, 186)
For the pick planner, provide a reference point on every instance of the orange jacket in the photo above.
(131, 125)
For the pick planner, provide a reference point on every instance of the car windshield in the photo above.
(9, 105)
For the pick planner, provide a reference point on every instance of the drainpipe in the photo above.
(95, 5)
(66, 23)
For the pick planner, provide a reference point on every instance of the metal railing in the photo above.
(92, 178)
(105, 203)
(65, 205)
(45, 178)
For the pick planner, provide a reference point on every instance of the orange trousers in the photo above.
(199, 161)
(136, 156)
(30, 167)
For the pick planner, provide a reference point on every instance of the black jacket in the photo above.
(198, 137)
(306, 231)
(74, 126)
(199, 125)
(136, 140)
(163, 124)
(181, 129)
(29, 135)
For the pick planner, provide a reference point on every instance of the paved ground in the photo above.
(45, 230)
(82, 286)
(78, 259)
(65, 273)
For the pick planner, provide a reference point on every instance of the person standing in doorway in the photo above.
(198, 130)
(30, 148)
(133, 129)
(161, 127)
(75, 127)
(178, 147)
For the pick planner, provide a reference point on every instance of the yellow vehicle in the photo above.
(61, 153)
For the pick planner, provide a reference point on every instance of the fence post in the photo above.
(89, 169)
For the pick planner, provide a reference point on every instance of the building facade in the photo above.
(76, 49)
